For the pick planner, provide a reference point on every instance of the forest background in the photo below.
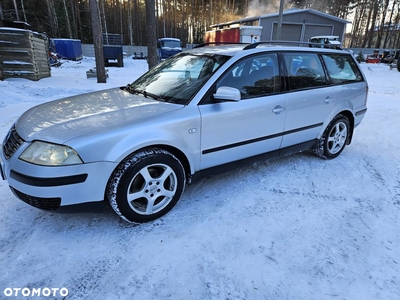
(374, 24)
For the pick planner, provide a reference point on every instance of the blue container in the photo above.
(67, 48)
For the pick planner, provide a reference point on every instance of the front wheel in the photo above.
(334, 139)
(146, 185)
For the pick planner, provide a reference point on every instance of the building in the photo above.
(297, 25)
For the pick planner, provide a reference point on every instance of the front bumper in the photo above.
(53, 187)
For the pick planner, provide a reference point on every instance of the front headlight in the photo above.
(47, 154)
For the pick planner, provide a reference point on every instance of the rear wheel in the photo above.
(334, 139)
(146, 185)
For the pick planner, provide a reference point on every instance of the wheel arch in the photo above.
(122, 177)
(173, 150)
(351, 119)
(179, 155)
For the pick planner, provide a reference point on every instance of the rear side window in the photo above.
(304, 71)
(342, 69)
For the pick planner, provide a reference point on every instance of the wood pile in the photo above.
(24, 54)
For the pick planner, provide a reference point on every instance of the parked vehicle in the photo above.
(112, 49)
(168, 47)
(194, 115)
(326, 41)
(388, 57)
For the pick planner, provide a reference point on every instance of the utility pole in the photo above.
(280, 18)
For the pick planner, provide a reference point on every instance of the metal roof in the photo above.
(307, 10)
(287, 12)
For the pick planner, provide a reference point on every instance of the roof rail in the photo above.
(293, 43)
(218, 43)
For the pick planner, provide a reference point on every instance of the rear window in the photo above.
(342, 69)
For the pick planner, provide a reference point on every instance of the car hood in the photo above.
(61, 120)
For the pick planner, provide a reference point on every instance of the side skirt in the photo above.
(207, 173)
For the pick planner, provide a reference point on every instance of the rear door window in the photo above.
(304, 70)
(342, 68)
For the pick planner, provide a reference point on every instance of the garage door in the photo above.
(290, 32)
(315, 30)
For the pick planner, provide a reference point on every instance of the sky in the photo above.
(297, 227)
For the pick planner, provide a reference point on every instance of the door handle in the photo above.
(278, 109)
(328, 100)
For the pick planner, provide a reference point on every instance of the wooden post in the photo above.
(1, 68)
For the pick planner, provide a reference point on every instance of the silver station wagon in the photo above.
(192, 116)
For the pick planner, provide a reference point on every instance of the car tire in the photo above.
(334, 139)
(146, 185)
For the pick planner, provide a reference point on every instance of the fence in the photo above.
(88, 50)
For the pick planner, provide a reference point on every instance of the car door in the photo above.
(309, 99)
(233, 130)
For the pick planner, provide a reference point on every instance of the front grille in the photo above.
(12, 142)
(42, 203)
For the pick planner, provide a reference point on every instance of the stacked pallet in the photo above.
(24, 54)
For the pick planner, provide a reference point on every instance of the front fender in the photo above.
(179, 129)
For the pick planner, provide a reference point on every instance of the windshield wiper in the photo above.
(132, 90)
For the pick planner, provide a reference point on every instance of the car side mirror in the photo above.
(228, 94)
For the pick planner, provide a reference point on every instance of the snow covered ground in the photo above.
(293, 228)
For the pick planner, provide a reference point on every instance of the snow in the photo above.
(298, 227)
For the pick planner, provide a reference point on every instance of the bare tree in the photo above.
(366, 27)
(16, 10)
(152, 57)
(373, 22)
(23, 10)
(98, 44)
(389, 25)
(394, 38)
(359, 20)
(67, 20)
(381, 28)
(54, 29)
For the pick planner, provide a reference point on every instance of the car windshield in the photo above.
(177, 79)
(170, 44)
